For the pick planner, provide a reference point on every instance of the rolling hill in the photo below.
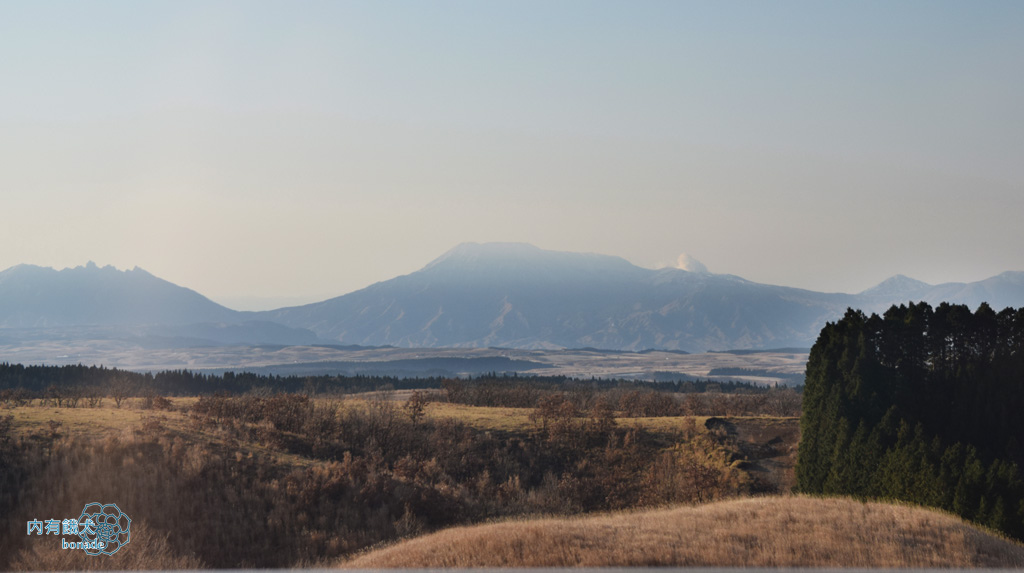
(758, 532)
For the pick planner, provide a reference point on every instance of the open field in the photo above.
(580, 363)
(758, 532)
(767, 445)
(484, 418)
(102, 421)
(106, 419)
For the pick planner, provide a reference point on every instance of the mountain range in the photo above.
(476, 295)
(39, 303)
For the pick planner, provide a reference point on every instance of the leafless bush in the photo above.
(72, 395)
(93, 397)
(121, 388)
(154, 401)
(415, 406)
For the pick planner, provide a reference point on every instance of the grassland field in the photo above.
(107, 420)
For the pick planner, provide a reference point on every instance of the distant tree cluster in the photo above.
(627, 398)
(923, 405)
(19, 382)
(70, 385)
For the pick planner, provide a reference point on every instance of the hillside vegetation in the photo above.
(765, 532)
(278, 480)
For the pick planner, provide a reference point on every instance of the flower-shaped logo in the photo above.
(104, 524)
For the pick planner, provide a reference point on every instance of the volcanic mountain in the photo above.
(517, 295)
(483, 295)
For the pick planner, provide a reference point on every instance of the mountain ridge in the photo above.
(32, 296)
(113, 303)
(521, 296)
(513, 295)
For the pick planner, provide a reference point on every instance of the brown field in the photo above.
(758, 532)
(106, 421)
(767, 444)
(101, 421)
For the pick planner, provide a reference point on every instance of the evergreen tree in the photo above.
(922, 405)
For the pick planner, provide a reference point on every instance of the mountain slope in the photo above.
(92, 302)
(1000, 291)
(897, 287)
(517, 295)
(758, 532)
(32, 296)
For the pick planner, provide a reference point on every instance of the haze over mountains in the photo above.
(476, 295)
(39, 303)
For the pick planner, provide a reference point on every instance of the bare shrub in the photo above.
(415, 406)
(696, 470)
(93, 397)
(153, 401)
(120, 388)
(72, 396)
(53, 396)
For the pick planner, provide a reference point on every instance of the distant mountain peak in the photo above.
(517, 258)
(897, 285)
(92, 267)
(90, 295)
(1011, 275)
(470, 252)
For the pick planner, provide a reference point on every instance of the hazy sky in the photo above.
(307, 149)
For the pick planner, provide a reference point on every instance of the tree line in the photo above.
(69, 384)
(920, 404)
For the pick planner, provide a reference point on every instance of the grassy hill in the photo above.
(768, 532)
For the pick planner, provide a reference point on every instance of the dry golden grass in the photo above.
(764, 532)
(518, 419)
(669, 424)
(107, 421)
(101, 421)
(484, 418)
